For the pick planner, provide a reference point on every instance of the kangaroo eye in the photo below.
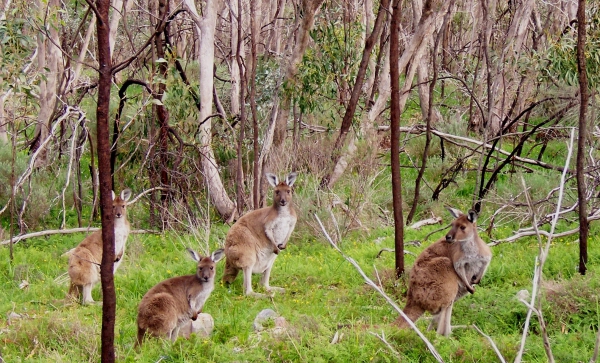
(462, 228)
(211, 267)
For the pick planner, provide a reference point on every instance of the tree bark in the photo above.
(50, 57)
(103, 143)
(336, 153)
(310, 9)
(581, 139)
(395, 136)
(239, 51)
(206, 58)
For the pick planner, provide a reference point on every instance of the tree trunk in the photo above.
(206, 58)
(336, 153)
(108, 232)
(310, 8)
(581, 139)
(120, 8)
(395, 147)
(237, 50)
(254, 32)
(50, 57)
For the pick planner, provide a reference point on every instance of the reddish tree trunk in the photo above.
(108, 234)
(395, 142)
(583, 91)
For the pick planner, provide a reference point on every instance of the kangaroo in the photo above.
(173, 302)
(254, 241)
(445, 271)
(84, 261)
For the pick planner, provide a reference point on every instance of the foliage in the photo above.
(561, 57)
(325, 296)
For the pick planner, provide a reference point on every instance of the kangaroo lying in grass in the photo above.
(254, 241)
(84, 261)
(171, 303)
(445, 271)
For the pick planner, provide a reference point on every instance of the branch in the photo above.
(64, 231)
(382, 293)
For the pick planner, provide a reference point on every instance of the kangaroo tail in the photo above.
(230, 272)
(140, 336)
(413, 312)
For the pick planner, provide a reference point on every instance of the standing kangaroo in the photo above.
(445, 271)
(254, 241)
(84, 261)
(173, 302)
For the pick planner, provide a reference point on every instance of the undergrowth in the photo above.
(324, 295)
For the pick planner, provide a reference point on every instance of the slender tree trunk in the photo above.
(395, 135)
(242, 111)
(254, 32)
(336, 153)
(430, 115)
(310, 9)
(581, 139)
(50, 58)
(237, 55)
(103, 143)
(206, 58)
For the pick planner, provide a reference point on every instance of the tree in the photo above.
(581, 139)
(395, 147)
(101, 8)
(206, 57)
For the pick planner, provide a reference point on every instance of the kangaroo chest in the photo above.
(197, 302)
(473, 261)
(121, 234)
(280, 228)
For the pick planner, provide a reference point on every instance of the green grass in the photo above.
(325, 294)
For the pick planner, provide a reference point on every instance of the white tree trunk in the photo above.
(50, 58)
(233, 64)
(119, 9)
(506, 80)
(411, 58)
(206, 59)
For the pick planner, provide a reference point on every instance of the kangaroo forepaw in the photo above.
(471, 289)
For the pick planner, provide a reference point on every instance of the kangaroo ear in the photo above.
(217, 255)
(472, 216)
(113, 194)
(291, 178)
(125, 194)
(455, 212)
(195, 256)
(272, 178)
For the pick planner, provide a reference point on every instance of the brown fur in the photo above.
(84, 260)
(173, 302)
(254, 241)
(437, 278)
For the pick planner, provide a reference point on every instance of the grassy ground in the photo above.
(325, 295)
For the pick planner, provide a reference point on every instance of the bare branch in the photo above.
(382, 293)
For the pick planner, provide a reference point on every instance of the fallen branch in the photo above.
(382, 293)
(65, 231)
(426, 222)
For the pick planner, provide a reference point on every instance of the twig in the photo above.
(382, 338)
(381, 292)
(492, 343)
(539, 260)
(65, 231)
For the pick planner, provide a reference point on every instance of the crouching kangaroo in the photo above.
(173, 302)
(254, 241)
(84, 260)
(445, 271)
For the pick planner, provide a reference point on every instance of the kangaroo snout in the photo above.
(448, 238)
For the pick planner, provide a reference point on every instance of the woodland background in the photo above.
(389, 110)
